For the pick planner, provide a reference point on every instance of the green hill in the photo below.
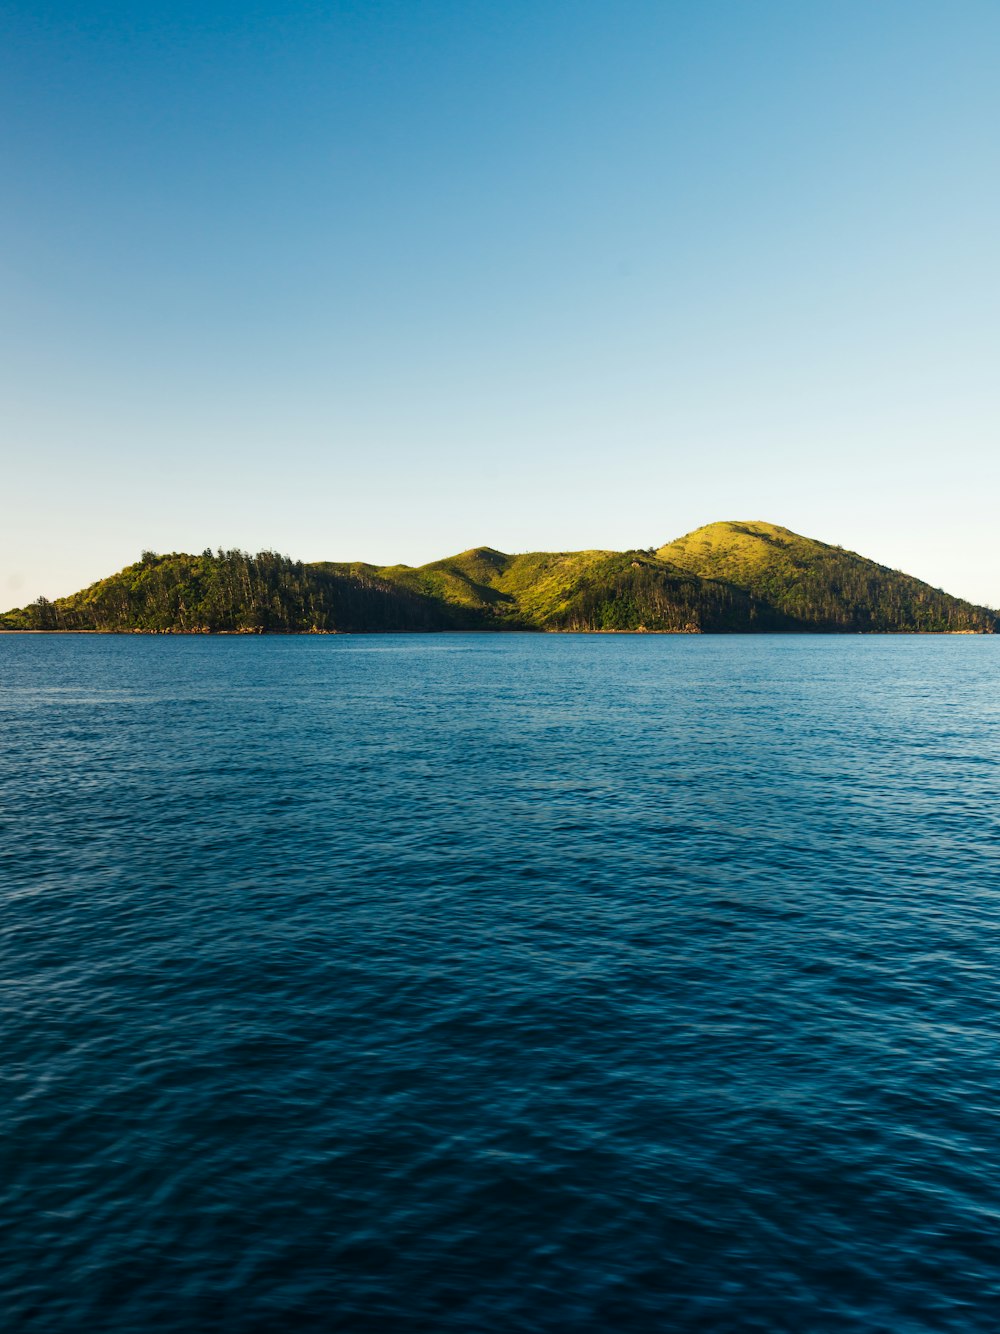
(230, 591)
(723, 578)
(820, 587)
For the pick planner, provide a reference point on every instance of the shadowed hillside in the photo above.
(723, 578)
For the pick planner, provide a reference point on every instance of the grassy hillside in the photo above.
(820, 587)
(578, 590)
(462, 588)
(632, 590)
(726, 577)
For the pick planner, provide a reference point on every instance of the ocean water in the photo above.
(499, 983)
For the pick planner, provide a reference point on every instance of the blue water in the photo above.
(500, 983)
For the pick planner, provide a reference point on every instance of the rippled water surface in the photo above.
(500, 983)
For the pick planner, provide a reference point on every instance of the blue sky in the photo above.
(389, 280)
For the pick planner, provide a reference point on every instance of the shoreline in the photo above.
(522, 630)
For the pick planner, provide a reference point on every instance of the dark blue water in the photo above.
(500, 983)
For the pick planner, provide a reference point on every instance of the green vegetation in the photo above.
(819, 587)
(229, 591)
(726, 577)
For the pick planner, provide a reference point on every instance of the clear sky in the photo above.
(387, 280)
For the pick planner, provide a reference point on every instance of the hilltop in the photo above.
(723, 578)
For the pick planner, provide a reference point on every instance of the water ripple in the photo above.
(500, 983)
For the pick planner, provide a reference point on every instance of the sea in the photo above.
(499, 982)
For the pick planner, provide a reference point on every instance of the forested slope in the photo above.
(230, 591)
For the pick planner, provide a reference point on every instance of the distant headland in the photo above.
(723, 578)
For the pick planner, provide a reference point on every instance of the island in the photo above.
(731, 577)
